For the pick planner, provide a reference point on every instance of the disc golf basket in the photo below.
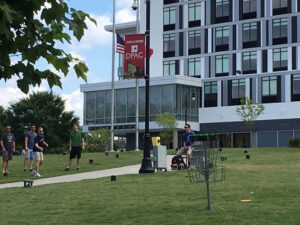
(203, 167)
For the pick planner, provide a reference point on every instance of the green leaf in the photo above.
(23, 85)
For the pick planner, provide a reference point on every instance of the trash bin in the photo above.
(155, 141)
(160, 157)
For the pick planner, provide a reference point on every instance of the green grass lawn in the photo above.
(270, 179)
(54, 165)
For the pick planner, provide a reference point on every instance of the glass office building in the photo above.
(232, 49)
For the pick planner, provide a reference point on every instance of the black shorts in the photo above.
(7, 155)
(75, 151)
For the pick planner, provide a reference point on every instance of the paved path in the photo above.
(134, 169)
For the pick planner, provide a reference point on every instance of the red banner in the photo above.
(135, 53)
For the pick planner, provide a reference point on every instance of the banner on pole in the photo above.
(135, 53)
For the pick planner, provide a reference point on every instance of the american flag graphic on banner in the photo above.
(120, 45)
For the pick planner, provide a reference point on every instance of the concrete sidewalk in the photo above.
(134, 169)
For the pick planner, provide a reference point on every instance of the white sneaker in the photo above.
(37, 175)
(33, 171)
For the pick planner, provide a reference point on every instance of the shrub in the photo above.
(294, 142)
(94, 148)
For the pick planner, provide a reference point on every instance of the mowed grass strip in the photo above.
(169, 198)
(54, 164)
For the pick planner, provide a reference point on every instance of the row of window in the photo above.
(270, 90)
(221, 11)
(250, 37)
(222, 62)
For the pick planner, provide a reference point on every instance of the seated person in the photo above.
(187, 145)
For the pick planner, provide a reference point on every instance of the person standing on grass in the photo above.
(76, 145)
(187, 145)
(29, 142)
(39, 143)
(8, 145)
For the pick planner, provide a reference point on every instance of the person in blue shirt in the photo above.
(187, 145)
(29, 142)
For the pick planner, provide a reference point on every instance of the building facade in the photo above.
(232, 49)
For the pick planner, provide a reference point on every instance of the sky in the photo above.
(95, 49)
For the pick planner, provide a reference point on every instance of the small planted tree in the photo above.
(249, 111)
(169, 123)
(100, 137)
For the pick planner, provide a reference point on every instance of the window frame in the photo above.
(222, 58)
(250, 55)
(270, 97)
(281, 39)
(223, 16)
(295, 96)
(211, 97)
(240, 83)
(196, 9)
(194, 35)
(223, 46)
(280, 51)
(195, 62)
(169, 64)
(250, 42)
(168, 12)
(249, 14)
(169, 38)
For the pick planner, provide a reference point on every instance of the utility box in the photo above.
(160, 157)
(155, 141)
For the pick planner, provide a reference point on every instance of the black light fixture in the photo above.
(146, 166)
(238, 72)
(134, 5)
(193, 97)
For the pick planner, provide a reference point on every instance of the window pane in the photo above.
(265, 87)
(90, 105)
(296, 84)
(218, 64)
(167, 98)
(214, 88)
(273, 87)
(100, 104)
(207, 89)
(198, 68)
(225, 64)
(173, 16)
(191, 13)
(166, 17)
(198, 11)
(172, 68)
(166, 69)
(191, 68)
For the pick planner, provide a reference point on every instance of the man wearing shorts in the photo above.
(187, 145)
(8, 145)
(29, 142)
(39, 143)
(75, 146)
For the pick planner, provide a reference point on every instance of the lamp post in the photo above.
(185, 107)
(146, 166)
(113, 78)
(135, 7)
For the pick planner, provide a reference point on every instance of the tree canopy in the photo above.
(169, 123)
(42, 109)
(29, 31)
(249, 111)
